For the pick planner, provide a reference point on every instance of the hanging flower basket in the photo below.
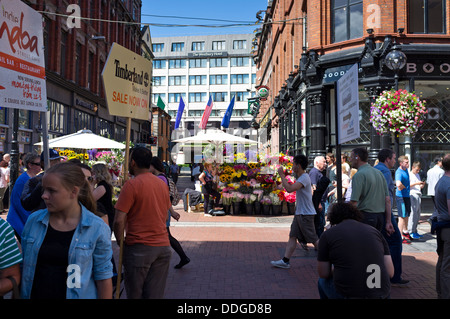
(398, 112)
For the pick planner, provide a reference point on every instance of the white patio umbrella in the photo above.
(83, 139)
(216, 137)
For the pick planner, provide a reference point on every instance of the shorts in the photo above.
(303, 228)
(403, 206)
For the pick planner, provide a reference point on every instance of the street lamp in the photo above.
(395, 60)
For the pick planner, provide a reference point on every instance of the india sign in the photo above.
(22, 62)
(126, 77)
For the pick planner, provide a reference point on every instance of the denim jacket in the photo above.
(90, 249)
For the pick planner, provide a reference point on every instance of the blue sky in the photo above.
(234, 10)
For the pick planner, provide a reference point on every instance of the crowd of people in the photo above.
(363, 237)
(56, 240)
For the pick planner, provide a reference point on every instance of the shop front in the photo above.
(309, 99)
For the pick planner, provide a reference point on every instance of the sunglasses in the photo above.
(37, 164)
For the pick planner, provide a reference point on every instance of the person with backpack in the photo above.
(157, 169)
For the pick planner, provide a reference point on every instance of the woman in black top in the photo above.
(103, 192)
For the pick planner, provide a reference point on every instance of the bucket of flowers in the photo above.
(397, 112)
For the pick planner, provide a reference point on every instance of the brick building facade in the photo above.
(341, 33)
(75, 56)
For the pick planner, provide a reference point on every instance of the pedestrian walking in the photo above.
(103, 191)
(415, 195)
(17, 214)
(386, 162)
(346, 252)
(403, 199)
(142, 210)
(302, 227)
(66, 248)
(174, 172)
(370, 193)
(156, 169)
(319, 183)
(442, 228)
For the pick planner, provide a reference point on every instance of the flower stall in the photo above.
(252, 187)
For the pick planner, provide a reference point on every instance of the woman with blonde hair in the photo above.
(103, 192)
(66, 248)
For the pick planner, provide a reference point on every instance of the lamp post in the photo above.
(396, 60)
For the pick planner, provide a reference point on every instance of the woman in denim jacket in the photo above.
(66, 248)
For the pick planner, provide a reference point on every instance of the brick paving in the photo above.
(230, 259)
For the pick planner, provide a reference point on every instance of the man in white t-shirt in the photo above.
(433, 176)
(302, 227)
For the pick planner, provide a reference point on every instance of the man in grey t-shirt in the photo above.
(302, 227)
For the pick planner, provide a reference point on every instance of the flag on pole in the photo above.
(160, 103)
(179, 113)
(206, 114)
(227, 116)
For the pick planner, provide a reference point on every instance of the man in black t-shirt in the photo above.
(353, 258)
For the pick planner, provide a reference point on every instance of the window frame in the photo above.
(348, 26)
(426, 18)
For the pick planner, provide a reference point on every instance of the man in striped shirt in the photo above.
(10, 258)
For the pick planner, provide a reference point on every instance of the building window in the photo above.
(240, 61)
(77, 62)
(218, 79)
(347, 17)
(177, 64)
(177, 80)
(239, 78)
(218, 62)
(175, 97)
(177, 47)
(197, 79)
(155, 97)
(218, 45)
(63, 53)
(219, 96)
(55, 117)
(197, 97)
(239, 96)
(159, 80)
(106, 128)
(159, 64)
(426, 16)
(158, 47)
(198, 46)
(83, 120)
(197, 63)
(239, 44)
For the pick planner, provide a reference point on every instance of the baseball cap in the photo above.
(52, 155)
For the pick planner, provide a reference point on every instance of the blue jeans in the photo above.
(395, 247)
(327, 290)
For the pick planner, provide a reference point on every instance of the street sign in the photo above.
(126, 77)
(347, 99)
(22, 61)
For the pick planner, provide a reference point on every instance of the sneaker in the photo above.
(406, 241)
(415, 236)
(401, 282)
(280, 264)
(407, 236)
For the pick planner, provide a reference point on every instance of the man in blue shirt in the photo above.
(402, 197)
(386, 158)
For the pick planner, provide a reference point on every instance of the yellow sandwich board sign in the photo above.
(126, 78)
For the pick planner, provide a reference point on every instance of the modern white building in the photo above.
(196, 67)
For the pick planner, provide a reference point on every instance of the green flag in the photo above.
(160, 103)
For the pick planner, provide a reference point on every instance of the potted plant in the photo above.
(276, 202)
(266, 204)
